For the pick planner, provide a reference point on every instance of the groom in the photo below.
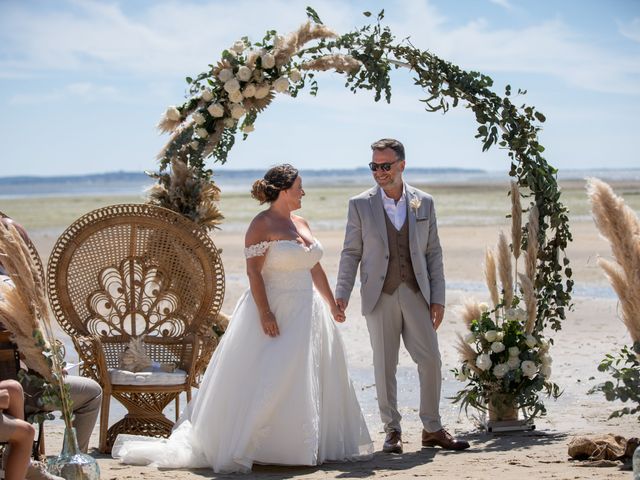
(393, 235)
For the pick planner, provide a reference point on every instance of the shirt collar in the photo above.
(387, 199)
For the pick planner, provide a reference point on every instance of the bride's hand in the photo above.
(269, 324)
(338, 314)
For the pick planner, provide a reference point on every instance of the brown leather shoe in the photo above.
(392, 443)
(443, 439)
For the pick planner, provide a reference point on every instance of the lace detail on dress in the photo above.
(256, 250)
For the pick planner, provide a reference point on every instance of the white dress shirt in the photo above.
(397, 212)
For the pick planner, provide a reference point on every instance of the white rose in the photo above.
(546, 360)
(232, 53)
(202, 132)
(232, 85)
(238, 46)
(483, 362)
(513, 362)
(216, 110)
(252, 56)
(499, 336)
(194, 145)
(531, 341)
(258, 75)
(199, 118)
(278, 41)
(295, 76)
(510, 314)
(500, 370)
(248, 128)
(483, 306)
(462, 376)
(236, 97)
(491, 335)
(281, 85)
(244, 73)
(529, 369)
(229, 122)
(173, 114)
(249, 90)
(237, 111)
(470, 337)
(262, 90)
(268, 60)
(545, 371)
(225, 75)
(497, 347)
(514, 351)
(207, 95)
(521, 315)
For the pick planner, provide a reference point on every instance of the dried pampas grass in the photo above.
(470, 311)
(621, 227)
(530, 302)
(531, 259)
(505, 270)
(295, 40)
(490, 276)
(467, 354)
(338, 62)
(516, 220)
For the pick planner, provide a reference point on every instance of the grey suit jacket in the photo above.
(366, 244)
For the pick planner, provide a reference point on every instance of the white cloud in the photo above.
(631, 29)
(80, 91)
(502, 3)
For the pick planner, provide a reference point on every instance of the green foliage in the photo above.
(624, 367)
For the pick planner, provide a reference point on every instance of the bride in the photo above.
(277, 390)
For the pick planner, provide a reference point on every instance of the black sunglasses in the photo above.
(381, 166)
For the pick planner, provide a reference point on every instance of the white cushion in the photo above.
(124, 377)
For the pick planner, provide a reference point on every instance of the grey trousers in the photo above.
(405, 314)
(86, 396)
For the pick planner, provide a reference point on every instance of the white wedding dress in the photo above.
(286, 400)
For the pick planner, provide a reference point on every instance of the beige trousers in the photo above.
(405, 314)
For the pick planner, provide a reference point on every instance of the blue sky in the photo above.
(83, 83)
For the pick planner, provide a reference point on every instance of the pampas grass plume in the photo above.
(516, 220)
(505, 269)
(490, 276)
(530, 302)
(532, 244)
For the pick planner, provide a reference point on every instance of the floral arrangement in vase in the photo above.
(506, 361)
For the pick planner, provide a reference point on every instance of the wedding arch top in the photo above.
(229, 95)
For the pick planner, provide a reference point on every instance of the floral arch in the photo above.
(228, 97)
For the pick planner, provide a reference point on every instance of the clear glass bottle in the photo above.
(72, 464)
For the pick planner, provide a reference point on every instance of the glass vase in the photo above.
(72, 464)
(502, 408)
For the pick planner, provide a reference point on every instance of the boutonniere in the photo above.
(415, 204)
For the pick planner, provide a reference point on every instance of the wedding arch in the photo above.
(227, 98)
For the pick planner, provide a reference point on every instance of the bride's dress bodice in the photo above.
(287, 264)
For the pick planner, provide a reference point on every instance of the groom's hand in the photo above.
(437, 314)
(342, 304)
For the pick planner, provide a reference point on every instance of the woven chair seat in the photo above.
(133, 271)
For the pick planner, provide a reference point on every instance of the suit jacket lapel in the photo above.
(375, 200)
(411, 213)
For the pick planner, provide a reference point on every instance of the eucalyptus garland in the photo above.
(228, 97)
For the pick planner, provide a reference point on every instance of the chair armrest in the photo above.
(203, 348)
(91, 352)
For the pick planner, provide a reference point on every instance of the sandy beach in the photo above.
(590, 331)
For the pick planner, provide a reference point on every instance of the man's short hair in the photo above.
(391, 143)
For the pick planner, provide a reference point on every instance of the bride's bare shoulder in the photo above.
(259, 229)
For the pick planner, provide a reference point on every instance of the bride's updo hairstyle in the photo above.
(278, 178)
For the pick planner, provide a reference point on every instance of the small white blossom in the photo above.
(248, 128)
(229, 122)
(414, 204)
(483, 362)
(531, 341)
(244, 73)
(237, 111)
(262, 90)
(216, 110)
(207, 95)
(232, 85)
(529, 369)
(225, 75)
(470, 337)
(236, 97)
(238, 46)
(199, 118)
(497, 347)
(252, 56)
(173, 114)
(491, 335)
(499, 336)
(249, 91)
(281, 85)
(232, 53)
(483, 306)
(513, 362)
(194, 145)
(202, 132)
(295, 76)
(514, 351)
(268, 61)
(516, 314)
(278, 42)
(545, 371)
(500, 370)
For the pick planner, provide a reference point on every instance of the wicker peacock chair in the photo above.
(131, 271)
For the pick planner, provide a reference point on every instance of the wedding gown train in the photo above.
(286, 400)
